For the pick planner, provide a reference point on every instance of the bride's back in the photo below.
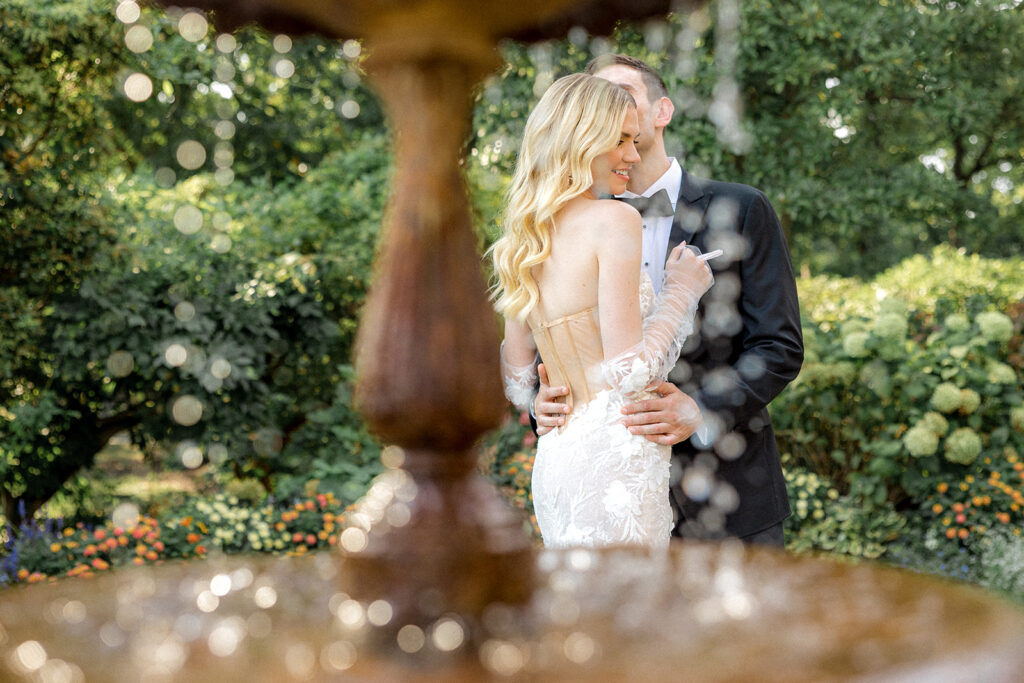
(568, 278)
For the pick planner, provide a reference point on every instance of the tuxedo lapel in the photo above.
(691, 212)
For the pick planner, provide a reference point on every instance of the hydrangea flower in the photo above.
(995, 326)
(969, 401)
(855, 344)
(1001, 373)
(891, 327)
(957, 323)
(946, 397)
(921, 441)
(1017, 418)
(892, 306)
(963, 446)
(934, 422)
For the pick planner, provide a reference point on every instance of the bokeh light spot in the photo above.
(282, 43)
(448, 635)
(226, 43)
(175, 355)
(351, 48)
(192, 457)
(411, 639)
(284, 68)
(191, 155)
(187, 410)
(349, 109)
(138, 87)
(128, 12)
(220, 368)
(221, 244)
(188, 219)
(193, 26)
(184, 311)
(138, 38)
(125, 515)
(120, 364)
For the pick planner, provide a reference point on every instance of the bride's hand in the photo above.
(684, 269)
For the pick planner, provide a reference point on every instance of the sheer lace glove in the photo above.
(665, 328)
(520, 382)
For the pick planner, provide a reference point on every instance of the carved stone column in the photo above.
(427, 359)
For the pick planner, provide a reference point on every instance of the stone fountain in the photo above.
(435, 579)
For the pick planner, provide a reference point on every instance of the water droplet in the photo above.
(191, 155)
(411, 639)
(224, 639)
(138, 87)
(220, 368)
(282, 43)
(128, 12)
(187, 410)
(349, 109)
(220, 585)
(138, 38)
(165, 177)
(30, 655)
(351, 48)
(338, 656)
(192, 26)
(188, 219)
(224, 129)
(353, 540)
(448, 635)
(265, 597)
(120, 364)
(217, 453)
(392, 457)
(501, 657)
(226, 42)
(221, 243)
(300, 660)
(125, 515)
(579, 647)
(175, 355)
(192, 457)
(379, 612)
(284, 68)
(184, 311)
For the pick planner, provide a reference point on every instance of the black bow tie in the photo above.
(654, 206)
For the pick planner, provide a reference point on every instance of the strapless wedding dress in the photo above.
(595, 484)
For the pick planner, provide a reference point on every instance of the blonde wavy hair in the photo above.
(578, 118)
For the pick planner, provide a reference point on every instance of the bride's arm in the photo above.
(635, 352)
(519, 364)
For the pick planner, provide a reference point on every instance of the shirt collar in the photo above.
(670, 181)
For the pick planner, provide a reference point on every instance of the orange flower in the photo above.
(192, 538)
(122, 541)
(100, 534)
(22, 574)
(152, 555)
(1003, 517)
(159, 546)
(100, 564)
(89, 550)
(310, 540)
(942, 487)
(138, 560)
(200, 550)
(937, 508)
(36, 577)
(950, 532)
(296, 537)
(963, 533)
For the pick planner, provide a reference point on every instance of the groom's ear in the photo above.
(665, 111)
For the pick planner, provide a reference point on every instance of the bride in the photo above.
(571, 289)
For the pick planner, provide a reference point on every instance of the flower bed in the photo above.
(37, 552)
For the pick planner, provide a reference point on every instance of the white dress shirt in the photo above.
(656, 231)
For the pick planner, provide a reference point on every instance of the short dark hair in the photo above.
(656, 87)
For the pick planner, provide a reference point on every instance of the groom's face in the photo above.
(631, 81)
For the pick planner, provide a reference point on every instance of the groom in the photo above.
(727, 478)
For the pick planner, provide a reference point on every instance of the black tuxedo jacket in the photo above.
(746, 348)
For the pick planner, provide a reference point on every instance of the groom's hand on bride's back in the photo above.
(668, 419)
(547, 410)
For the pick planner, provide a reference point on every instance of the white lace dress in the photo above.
(594, 483)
